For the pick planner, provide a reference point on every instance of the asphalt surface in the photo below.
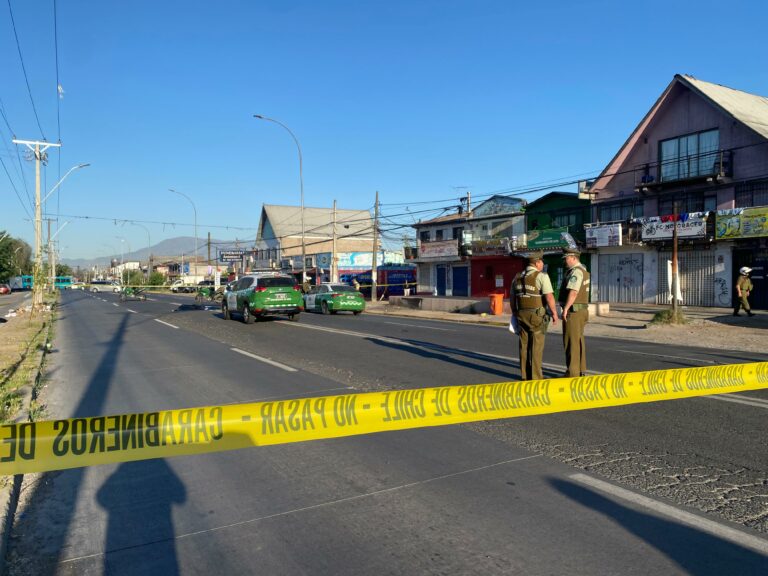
(686, 490)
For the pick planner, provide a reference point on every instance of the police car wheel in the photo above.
(247, 316)
(324, 307)
(225, 311)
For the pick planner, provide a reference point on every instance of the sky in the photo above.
(421, 101)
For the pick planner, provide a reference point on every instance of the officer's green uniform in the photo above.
(576, 278)
(528, 289)
(745, 284)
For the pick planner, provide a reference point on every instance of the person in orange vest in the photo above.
(531, 290)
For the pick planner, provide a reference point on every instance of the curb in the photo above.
(9, 495)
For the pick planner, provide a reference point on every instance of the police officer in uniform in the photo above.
(743, 289)
(531, 289)
(574, 299)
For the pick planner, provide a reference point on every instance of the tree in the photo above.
(64, 270)
(15, 257)
(156, 279)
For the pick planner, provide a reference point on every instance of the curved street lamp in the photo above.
(195, 210)
(301, 184)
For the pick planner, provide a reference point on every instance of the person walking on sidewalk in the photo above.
(531, 288)
(574, 299)
(743, 289)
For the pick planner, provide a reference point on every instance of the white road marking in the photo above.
(319, 505)
(129, 310)
(555, 367)
(152, 299)
(719, 530)
(759, 400)
(113, 304)
(418, 326)
(666, 356)
(175, 303)
(265, 360)
(166, 323)
(740, 400)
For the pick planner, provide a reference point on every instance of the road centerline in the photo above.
(265, 360)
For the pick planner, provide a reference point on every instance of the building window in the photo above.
(619, 211)
(564, 220)
(689, 156)
(685, 203)
(457, 232)
(424, 235)
(438, 235)
(750, 194)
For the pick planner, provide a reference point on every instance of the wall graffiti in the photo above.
(721, 291)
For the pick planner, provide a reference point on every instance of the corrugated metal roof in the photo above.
(750, 109)
(318, 222)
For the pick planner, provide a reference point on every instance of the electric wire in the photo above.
(24, 69)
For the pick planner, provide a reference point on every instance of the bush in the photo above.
(669, 317)
(156, 279)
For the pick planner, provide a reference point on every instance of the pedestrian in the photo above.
(574, 300)
(356, 284)
(531, 290)
(743, 289)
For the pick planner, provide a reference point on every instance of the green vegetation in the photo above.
(15, 257)
(156, 279)
(669, 317)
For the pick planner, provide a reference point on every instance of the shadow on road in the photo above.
(696, 552)
(44, 531)
(160, 489)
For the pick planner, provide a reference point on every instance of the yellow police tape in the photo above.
(75, 442)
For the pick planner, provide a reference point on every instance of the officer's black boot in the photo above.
(750, 313)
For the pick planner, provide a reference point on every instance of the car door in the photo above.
(232, 296)
(244, 288)
(310, 297)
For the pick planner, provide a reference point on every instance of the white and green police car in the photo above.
(331, 298)
(265, 294)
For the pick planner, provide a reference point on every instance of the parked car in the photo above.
(5, 288)
(77, 286)
(331, 298)
(103, 286)
(258, 295)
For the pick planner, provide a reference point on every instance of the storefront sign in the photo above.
(230, 255)
(490, 247)
(657, 228)
(599, 236)
(441, 249)
(742, 223)
(549, 239)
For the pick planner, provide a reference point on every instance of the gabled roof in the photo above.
(285, 222)
(441, 219)
(748, 109)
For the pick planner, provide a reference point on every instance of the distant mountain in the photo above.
(165, 250)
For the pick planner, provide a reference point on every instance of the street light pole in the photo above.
(301, 184)
(194, 208)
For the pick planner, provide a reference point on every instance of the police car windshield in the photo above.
(277, 282)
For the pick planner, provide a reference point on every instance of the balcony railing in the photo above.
(716, 164)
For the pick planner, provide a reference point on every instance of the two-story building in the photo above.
(554, 222)
(696, 162)
(468, 253)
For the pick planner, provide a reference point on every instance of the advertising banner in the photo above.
(661, 228)
(441, 249)
(608, 235)
(742, 223)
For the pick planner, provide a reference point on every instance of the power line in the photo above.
(15, 190)
(133, 220)
(24, 69)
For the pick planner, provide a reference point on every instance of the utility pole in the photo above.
(374, 271)
(51, 269)
(334, 263)
(675, 279)
(39, 149)
(209, 249)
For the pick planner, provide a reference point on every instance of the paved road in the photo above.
(524, 496)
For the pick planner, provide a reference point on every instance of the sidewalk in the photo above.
(707, 327)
